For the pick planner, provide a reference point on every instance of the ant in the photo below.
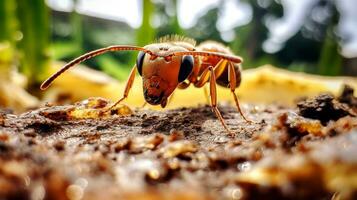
(175, 62)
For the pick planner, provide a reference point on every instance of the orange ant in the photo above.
(168, 63)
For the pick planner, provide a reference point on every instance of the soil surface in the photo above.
(80, 152)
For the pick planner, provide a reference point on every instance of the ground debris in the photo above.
(348, 97)
(78, 151)
(90, 108)
(325, 107)
(178, 148)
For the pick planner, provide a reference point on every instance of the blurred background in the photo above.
(314, 36)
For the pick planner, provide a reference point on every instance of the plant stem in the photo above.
(34, 47)
(146, 32)
(7, 27)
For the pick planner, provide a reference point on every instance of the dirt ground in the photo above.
(79, 152)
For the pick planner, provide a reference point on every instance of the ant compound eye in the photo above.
(185, 68)
(139, 62)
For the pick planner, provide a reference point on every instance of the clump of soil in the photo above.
(81, 151)
(326, 107)
(348, 97)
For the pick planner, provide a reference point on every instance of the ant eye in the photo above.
(139, 62)
(185, 68)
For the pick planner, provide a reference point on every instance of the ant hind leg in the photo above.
(232, 84)
(213, 94)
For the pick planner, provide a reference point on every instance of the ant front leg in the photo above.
(128, 86)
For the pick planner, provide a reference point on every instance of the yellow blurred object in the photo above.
(12, 92)
(268, 84)
(263, 85)
(15, 97)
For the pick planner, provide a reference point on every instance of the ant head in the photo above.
(162, 72)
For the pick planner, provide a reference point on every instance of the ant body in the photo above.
(175, 62)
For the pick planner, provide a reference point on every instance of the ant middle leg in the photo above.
(209, 74)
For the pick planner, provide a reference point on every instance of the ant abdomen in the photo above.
(212, 46)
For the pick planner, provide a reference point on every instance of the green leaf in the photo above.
(111, 66)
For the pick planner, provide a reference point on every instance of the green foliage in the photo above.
(7, 21)
(33, 18)
(77, 32)
(206, 29)
(313, 50)
(302, 52)
(65, 49)
(166, 11)
(7, 33)
(330, 60)
(72, 47)
(110, 66)
(146, 33)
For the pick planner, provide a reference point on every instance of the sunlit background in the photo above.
(317, 36)
(308, 35)
(314, 36)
